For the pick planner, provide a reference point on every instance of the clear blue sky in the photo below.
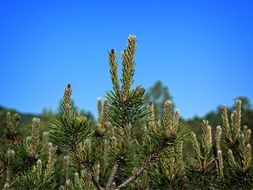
(201, 50)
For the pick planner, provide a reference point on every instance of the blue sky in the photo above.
(201, 50)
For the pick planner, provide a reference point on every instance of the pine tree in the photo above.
(158, 94)
(128, 147)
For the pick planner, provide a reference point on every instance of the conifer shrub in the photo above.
(128, 147)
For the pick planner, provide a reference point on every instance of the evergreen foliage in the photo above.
(129, 147)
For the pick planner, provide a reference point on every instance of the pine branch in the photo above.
(35, 138)
(12, 122)
(51, 161)
(113, 174)
(128, 65)
(9, 172)
(72, 127)
(114, 72)
(66, 106)
(95, 182)
(144, 166)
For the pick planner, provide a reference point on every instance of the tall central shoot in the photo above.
(125, 106)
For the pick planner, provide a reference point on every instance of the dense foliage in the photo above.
(131, 146)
